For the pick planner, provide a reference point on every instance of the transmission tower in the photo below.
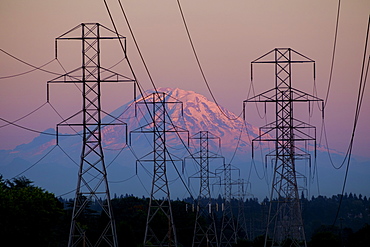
(291, 137)
(92, 183)
(241, 227)
(160, 229)
(228, 229)
(204, 234)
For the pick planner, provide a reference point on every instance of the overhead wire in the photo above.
(122, 181)
(333, 55)
(136, 44)
(142, 59)
(46, 133)
(23, 117)
(199, 64)
(360, 95)
(71, 191)
(137, 47)
(146, 67)
(139, 51)
(60, 147)
(34, 164)
(323, 127)
(33, 130)
(26, 72)
(33, 66)
(253, 164)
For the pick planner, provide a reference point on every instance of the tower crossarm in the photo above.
(274, 95)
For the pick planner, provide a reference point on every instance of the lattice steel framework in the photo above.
(205, 233)
(160, 228)
(228, 228)
(92, 183)
(241, 227)
(291, 137)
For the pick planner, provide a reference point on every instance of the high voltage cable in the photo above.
(40, 67)
(33, 66)
(333, 55)
(33, 130)
(140, 54)
(361, 90)
(135, 42)
(328, 152)
(121, 181)
(323, 129)
(142, 59)
(35, 163)
(42, 132)
(68, 155)
(46, 133)
(199, 64)
(28, 114)
(26, 72)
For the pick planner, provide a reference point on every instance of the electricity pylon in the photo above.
(291, 137)
(204, 234)
(160, 228)
(228, 229)
(92, 183)
(241, 227)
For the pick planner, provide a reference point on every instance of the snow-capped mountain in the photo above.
(189, 111)
(55, 167)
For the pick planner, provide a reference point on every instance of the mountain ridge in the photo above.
(199, 114)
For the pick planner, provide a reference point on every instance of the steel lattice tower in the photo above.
(291, 137)
(159, 210)
(204, 234)
(228, 229)
(241, 227)
(92, 183)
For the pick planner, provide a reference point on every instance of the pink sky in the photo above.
(227, 35)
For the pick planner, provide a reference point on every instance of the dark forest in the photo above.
(31, 215)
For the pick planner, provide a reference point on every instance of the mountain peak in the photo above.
(200, 114)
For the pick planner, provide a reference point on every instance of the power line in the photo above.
(43, 132)
(136, 44)
(200, 66)
(333, 55)
(33, 130)
(144, 63)
(28, 114)
(29, 129)
(361, 90)
(150, 77)
(35, 162)
(68, 155)
(26, 72)
(328, 152)
(33, 66)
(122, 181)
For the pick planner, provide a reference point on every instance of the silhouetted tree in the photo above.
(29, 215)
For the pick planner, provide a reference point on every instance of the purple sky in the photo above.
(227, 35)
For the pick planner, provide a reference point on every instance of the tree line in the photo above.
(30, 215)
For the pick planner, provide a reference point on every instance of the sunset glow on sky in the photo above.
(227, 35)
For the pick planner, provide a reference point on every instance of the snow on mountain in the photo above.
(196, 113)
(57, 171)
(199, 114)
